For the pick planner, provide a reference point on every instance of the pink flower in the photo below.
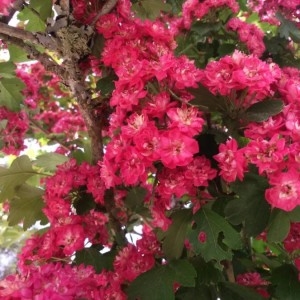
(285, 193)
(231, 161)
(186, 119)
(177, 149)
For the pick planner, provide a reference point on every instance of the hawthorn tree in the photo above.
(175, 122)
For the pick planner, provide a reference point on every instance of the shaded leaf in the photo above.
(150, 9)
(221, 238)
(92, 257)
(250, 207)
(43, 8)
(176, 234)
(50, 161)
(27, 207)
(135, 199)
(13, 177)
(278, 227)
(203, 29)
(204, 98)
(157, 284)
(294, 215)
(10, 93)
(230, 291)
(288, 29)
(285, 278)
(262, 110)
(106, 84)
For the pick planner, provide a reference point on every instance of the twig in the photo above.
(106, 8)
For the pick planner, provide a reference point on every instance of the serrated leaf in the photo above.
(17, 54)
(50, 161)
(287, 285)
(10, 93)
(27, 207)
(160, 281)
(13, 177)
(92, 257)
(288, 29)
(34, 21)
(230, 291)
(262, 110)
(278, 227)
(176, 234)
(150, 9)
(221, 238)
(250, 208)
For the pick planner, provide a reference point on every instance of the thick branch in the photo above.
(18, 33)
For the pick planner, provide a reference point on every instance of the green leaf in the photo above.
(230, 291)
(135, 199)
(106, 85)
(50, 161)
(288, 29)
(34, 21)
(203, 29)
(262, 110)
(221, 238)
(92, 257)
(17, 54)
(27, 207)
(201, 292)
(150, 9)
(250, 208)
(176, 234)
(285, 278)
(10, 93)
(204, 98)
(294, 215)
(43, 8)
(7, 70)
(12, 178)
(157, 284)
(278, 227)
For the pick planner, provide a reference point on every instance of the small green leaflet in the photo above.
(175, 236)
(229, 291)
(13, 177)
(10, 93)
(27, 206)
(150, 9)
(157, 284)
(221, 238)
(135, 200)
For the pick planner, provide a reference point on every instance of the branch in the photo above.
(106, 8)
(18, 33)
